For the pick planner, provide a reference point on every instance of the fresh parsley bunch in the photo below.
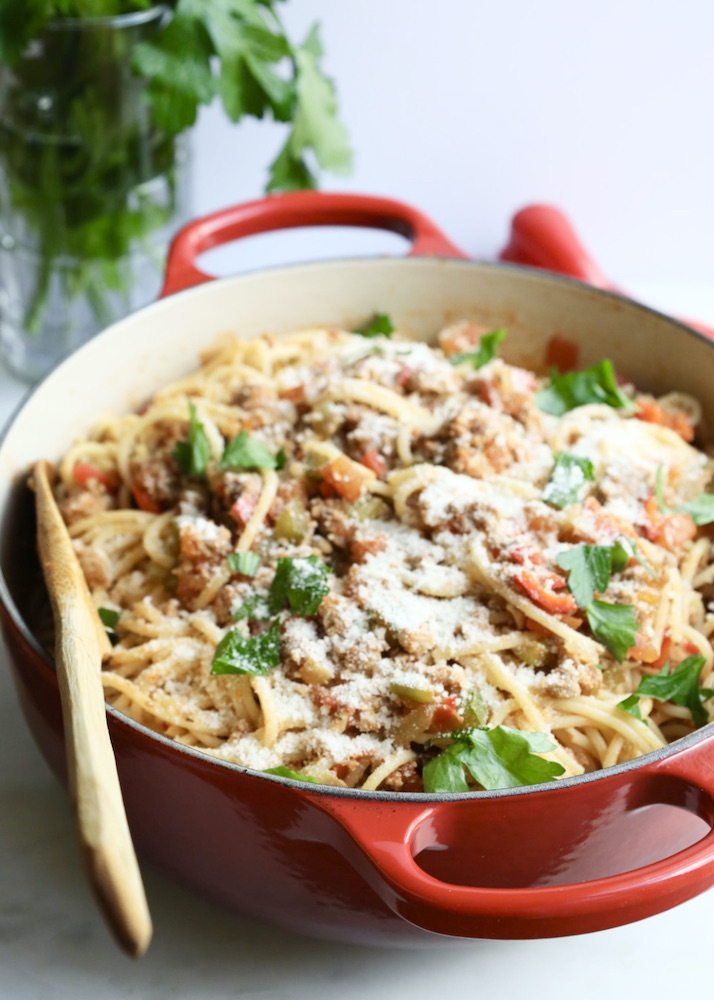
(236, 50)
(92, 120)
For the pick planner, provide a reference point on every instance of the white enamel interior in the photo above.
(121, 367)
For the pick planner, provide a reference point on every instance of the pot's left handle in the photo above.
(292, 210)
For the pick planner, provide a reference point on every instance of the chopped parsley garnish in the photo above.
(193, 454)
(255, 654)
(700, 509)
(487, 350)
(590, 568)
(246, 452)
(110, 619)
(495, 758)
(597, 384)
(569, 475)
(680, 686)
(614, 625)
(254, 608)
(244, 562)
(300, 584)
(631, 705)
(379, 326)
(286, 772)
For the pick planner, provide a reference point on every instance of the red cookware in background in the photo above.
(373, 867)
(542, 236)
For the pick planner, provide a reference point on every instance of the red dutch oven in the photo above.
(562, 858)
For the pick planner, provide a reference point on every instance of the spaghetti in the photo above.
(337, 555)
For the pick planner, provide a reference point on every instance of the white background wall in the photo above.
(471, 109)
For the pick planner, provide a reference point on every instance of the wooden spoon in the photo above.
(81, 640)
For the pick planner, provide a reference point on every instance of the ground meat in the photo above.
(305, 652)
(95, 564)
(405, 779)
(158, 482)
(87, 503)
(204, 547)
(479, 443)
(570, 679)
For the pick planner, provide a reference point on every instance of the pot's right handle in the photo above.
(386, 850)
(292, 210)
(542, 236)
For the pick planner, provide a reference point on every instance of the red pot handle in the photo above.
(542, 236)
(386, 859)
(289, 211)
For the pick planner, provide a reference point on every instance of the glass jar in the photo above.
(91, 191)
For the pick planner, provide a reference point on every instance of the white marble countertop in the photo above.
(53, 944)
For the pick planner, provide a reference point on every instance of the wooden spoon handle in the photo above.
(93, 780)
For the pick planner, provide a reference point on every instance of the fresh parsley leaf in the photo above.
(597, 384)
(286, 772)
(625, 549)
(299, 583)
(569, 475)
(659, 492)
(255, 608)
(380, 326)
(631, 705)
(487, 350)
(589, 568)
(619, 556)
(246, 452)
(109, 617)
(700, 509)
(244, 562)
(501, 757)
(192, 456)
(614, 625)
(177, 66)
(238, 50)
(316, 129)
(240, 654)
(681, 686)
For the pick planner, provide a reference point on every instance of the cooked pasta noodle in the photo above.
(364, 526)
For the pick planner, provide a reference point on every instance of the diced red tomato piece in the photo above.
(296, 394)
(84, 472)
(663, 653)
(345, 477)
(652, 412)
(643, 651)
(521, 555)
(372, 460)
(562, 354)
(669, 530)
(144, 500)
(404, 375)
(242, 508)
(554, 604)
(445, 717)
